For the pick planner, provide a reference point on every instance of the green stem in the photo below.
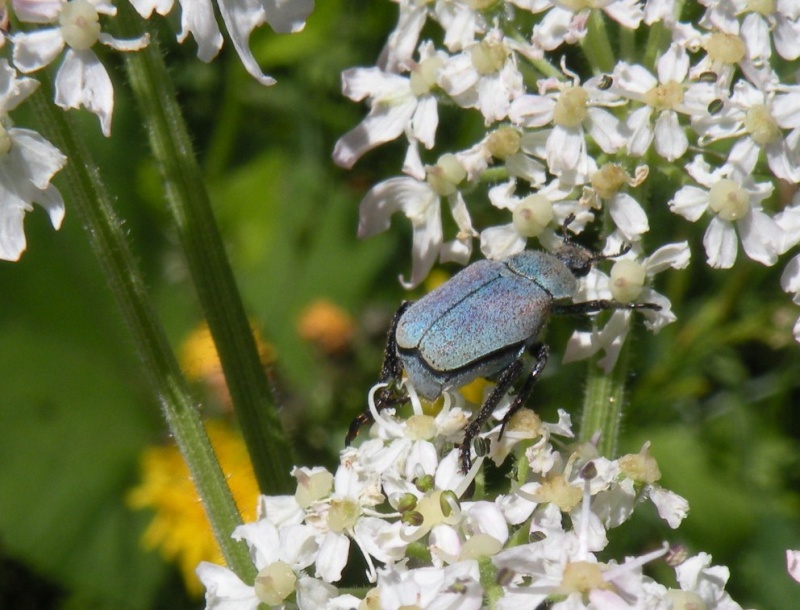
(603, 404)
(205, 253)
(86, 194)
(596, 45)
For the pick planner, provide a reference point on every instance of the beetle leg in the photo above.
(391, 372)
(541, 353)
(584, 307)
(507, 378)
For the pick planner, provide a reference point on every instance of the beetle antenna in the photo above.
(624, 249)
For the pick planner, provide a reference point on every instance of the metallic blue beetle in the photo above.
(480, 323)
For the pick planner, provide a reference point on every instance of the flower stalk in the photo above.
(90, 199)
(188, 202)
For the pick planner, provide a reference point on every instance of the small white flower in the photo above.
(455, 586)
(532, 216)
(279, 555)
(398, 104)
(735, 200)
(573, 110)
(420, 202)
(627, 283)
(705, 583)
(27, 164)
(606, 188)
(81, 79)
(484, 76)
(664, 99)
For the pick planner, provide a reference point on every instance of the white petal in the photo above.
(425, 121)
(671, 141)
(313, 593)
(690, 202)
(38, 11)
(359, 83)
(761, 237)
(673, 65)
(35, 50)
(52, 201)
(744, 155)
(241, 17)
(581, 345)
(720, 243)
(13, 90)
(126, 46)
(756, 37)
(532, 110)
(500, 242)
(628, 216)
(287, 16)
(198, 19)
(12, 232)
(527, 168)
(458, 75)
(633, 80)
(263, 540)
(790, 278)
(639, 130)
(224, 590)
(146, 7)
(604, 127)
(390, 196)
(793, 564)
(332, 556)
(35, 157)
(783, 162)
(626, 12)
(785, 37)
(83, 81)
(671, 255)
(566, 149)
(400, 46)
(671, 507)
(384, 123)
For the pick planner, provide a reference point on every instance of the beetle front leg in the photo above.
(585, 307)
(391, 372)
(507, 378)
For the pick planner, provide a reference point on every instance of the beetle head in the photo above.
(579, 259)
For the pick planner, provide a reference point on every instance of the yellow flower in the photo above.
(327, 326)
(200, 362)
(180, 530)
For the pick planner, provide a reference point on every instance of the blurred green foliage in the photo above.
(716, 393)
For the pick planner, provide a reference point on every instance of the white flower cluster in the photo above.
(71, 28)
(401, 498)
(704, 104)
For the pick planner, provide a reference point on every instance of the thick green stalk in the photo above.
(596, 44)
(87, 196)
(205, 253)
(603, 404)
